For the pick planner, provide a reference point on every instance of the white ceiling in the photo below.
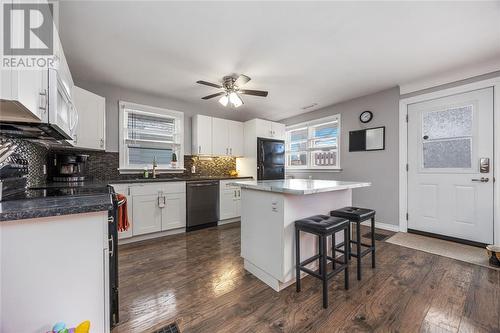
(301, 52)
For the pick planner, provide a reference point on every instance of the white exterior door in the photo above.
(448, 192)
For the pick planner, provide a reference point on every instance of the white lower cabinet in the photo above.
(154, 207)
(174, 212)
(147, 214)
(229, 200)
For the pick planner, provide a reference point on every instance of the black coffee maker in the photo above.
(69, 167)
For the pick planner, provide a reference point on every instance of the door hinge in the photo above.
(407, 167)
(407, 216)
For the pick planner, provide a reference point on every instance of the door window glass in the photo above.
(447, 138)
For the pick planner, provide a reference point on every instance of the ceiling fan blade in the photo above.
(209, 84)
(260, 93)
(241, 80)
(214, 95)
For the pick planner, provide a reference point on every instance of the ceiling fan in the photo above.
(232, 90)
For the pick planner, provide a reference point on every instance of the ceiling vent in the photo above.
(309, 106)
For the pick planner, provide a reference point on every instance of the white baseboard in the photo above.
(236, 219)
(151, 236)
(385, 226)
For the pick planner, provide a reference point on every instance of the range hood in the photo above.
(31, 130)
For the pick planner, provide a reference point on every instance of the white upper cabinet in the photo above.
(91, 128)
(278, 131)
(236, 136)
(28, 88)
(270, 130)
(220, 137)
(201, 135)
(225, 136)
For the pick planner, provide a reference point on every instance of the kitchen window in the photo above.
(314, 144)
(150, 134)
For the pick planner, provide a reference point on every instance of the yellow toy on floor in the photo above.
(83, 327)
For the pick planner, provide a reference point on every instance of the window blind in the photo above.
(148, 127)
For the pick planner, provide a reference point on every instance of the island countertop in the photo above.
(299, 186)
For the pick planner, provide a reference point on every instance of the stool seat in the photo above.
(354, 214)
(321, 224)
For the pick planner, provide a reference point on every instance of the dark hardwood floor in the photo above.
(198, 280)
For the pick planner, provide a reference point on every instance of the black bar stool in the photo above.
(358, 215)
(323, 226)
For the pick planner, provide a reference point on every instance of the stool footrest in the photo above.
(352, 242)
(363, 253)
(329, 275)
(316, 257)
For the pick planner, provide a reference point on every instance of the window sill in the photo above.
(312, 170)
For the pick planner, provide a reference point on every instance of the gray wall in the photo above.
(114, 94)
(378, 167)
(453, 84)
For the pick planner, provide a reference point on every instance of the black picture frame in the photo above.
(357, 139)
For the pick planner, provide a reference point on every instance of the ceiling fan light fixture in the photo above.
(235, 99)
(224, 100)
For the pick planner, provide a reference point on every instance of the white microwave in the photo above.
(59, 118)
(62, 114)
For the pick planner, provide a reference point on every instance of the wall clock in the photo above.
(366, 117)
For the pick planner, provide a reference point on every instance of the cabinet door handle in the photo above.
(102, 143)
(235, 193)
(227, 151)
(199, 149)
(43, 93)
(239, 193)
(230, 151)
(76, 138)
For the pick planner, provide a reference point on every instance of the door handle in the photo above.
(481, 180)
(112, 247)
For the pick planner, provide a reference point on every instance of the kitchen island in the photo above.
(269, 209)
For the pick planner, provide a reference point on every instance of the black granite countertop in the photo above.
(53, 206)
(99, 184)
(174, 179)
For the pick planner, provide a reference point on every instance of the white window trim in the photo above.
(124, 168)
(308, 124)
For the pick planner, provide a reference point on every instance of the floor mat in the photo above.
(379, 237)
(467, 253)
(172, 328)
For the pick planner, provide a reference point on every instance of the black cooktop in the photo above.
(44, 192)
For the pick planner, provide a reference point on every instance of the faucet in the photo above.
(155, 165)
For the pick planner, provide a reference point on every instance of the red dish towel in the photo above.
(123, 224)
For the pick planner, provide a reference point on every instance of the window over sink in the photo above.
(314, 144)
(150, 134)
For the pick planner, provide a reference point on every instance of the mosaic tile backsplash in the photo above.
(103, 166)
(36, 155)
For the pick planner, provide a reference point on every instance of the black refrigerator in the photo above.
(270, 159)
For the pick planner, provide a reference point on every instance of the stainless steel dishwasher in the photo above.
(202, 204)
